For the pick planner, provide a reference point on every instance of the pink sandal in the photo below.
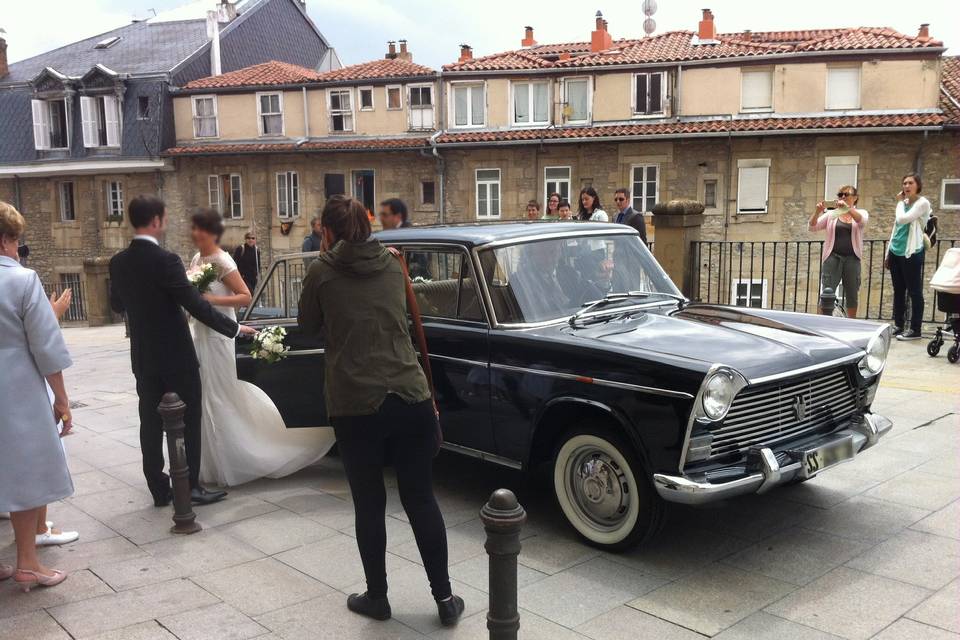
(40, 580)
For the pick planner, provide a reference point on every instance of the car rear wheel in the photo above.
(603, 492)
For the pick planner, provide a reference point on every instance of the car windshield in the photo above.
(545, 280)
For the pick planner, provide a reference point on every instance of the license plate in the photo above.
(813, 461)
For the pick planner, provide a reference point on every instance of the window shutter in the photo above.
(756, 89)
(41, 124)
(88, 120)
(841, 171)
(213, 188)
(111, 108)
(282, 206)
(656, 93)
(640, 99)
(752, 189)
(294, 193)
(843, 88)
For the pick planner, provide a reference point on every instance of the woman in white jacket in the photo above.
(905, 256)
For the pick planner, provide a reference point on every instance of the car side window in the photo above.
(279, 298)
(443, 283)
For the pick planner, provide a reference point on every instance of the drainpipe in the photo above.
(306, 115)
(918, 158)
(442, 171)
(676, 93)
(16, 193)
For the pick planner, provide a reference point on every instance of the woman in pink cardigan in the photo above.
(843, 245)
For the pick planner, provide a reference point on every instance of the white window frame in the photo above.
(566, 99)
(830, 194)
(215, 195)
(92, 122)
(636, 113)
(486, 182)
(43, 124)
(744, 72)
(62, 201)
(943, 194)
(753, 163)
(386, 96)
(341, 112)
(546, 181)
(196, 118)
(373, 100)
(471, 86)
(114, 200)
(421, 109)
(261, 115)
(642, 194)
(290, 189)
(751, 285)
(530, 103)
(826, 101)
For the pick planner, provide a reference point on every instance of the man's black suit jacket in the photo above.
(150, 285)
(634, 219)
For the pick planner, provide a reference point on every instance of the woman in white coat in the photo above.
(33, 470)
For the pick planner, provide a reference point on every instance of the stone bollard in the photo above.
(828, 301)
(171, 409)
(503, 518)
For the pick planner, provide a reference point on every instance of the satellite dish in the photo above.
(649, 26)
(649, 7)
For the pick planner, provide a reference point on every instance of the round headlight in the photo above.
(717, 395)
(872, 363)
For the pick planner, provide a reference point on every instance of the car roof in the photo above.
(477, 234)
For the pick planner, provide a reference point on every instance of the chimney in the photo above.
(600, 39)
(528, 40)
(708, 31)
(466, 53)
(4, 68)
(404, 53)
(923, 34)
(213, 33)
(391, 50)
(226, 11)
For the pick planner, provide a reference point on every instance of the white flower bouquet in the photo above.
(268, 345)
(202, 276)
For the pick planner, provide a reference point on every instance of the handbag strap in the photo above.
(414, 309)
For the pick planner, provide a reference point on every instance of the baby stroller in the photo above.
(946, 284)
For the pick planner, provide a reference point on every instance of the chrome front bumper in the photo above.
(698, 489)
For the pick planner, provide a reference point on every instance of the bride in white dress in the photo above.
(243, 435)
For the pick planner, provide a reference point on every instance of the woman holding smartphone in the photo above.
(843, 247)
(905, 256)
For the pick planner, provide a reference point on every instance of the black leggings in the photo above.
(403, 434)
(907, 276)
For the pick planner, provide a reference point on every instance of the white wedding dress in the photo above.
(243, 435)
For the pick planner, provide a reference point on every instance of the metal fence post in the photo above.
(171, 410)
(503, 518)
(828, 301)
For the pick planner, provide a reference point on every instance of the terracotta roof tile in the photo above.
(386, 68)
(867, 38)
(267, 73)
(346, 144)
(783, 37)
(950, 90)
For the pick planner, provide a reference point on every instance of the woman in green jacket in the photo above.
(377, 397)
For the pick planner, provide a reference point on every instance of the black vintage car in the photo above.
(567, 345)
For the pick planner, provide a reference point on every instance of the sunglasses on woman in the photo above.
(845, 194)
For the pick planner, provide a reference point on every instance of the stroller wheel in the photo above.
(953, 354)
(933, 348)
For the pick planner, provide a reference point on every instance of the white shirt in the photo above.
(147, 238)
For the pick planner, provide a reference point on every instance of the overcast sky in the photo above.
(359, 29)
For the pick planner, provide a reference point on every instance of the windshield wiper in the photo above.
(613, 298)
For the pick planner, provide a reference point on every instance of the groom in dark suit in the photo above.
(150, 285)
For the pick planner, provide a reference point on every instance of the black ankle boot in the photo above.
(450, 610)
(376, 608)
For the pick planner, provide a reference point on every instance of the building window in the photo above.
(334, 184)
(556, 180)
(840, 171)
(648, 93)
(394, 98)
(420, 102)
(143, 107)
(469, 103)
(950, 193)
(753, 182)
(710, 194)
(270, 113)
(205, 117)
(645, 179)
(749, 293)
(100, 116)
(68, 212)
(51, 129)
(576, 99)
(488, 193)
(756, 90)
(843, 88)
(366, 98)
(288, 194)
(428, 192)
(226, 194)
(115, 200)
(531, 102)
(364, 188)
(341, 110)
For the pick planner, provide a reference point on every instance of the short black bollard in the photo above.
(828, 301)
(503, 518)
(171, 409)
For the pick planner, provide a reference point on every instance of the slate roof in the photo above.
(265, 74)
(339, 144)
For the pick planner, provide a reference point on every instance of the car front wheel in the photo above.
(602, 491)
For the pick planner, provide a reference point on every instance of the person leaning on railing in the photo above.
(908, 243)
(843, 246)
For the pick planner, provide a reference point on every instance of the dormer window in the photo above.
(340, 104)
(100, 116)
(50, 124)
(648, 93)
(106, 43)
(531, 103)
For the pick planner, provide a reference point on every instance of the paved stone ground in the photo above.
(868, 550)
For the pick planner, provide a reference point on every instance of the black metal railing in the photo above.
(77, 311)
(785, 274)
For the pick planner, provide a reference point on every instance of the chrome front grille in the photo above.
(771, 414)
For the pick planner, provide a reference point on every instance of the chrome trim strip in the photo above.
(483, 455)
(472, 363)
(292, 354)
(603, 231)
(598, 381)
(854, 357)
(696, 409)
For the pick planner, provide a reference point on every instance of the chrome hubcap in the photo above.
(598, 488)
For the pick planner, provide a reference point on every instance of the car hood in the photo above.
(755, 342)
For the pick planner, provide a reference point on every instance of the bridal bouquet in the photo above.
(202, 276)
(268, 345)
